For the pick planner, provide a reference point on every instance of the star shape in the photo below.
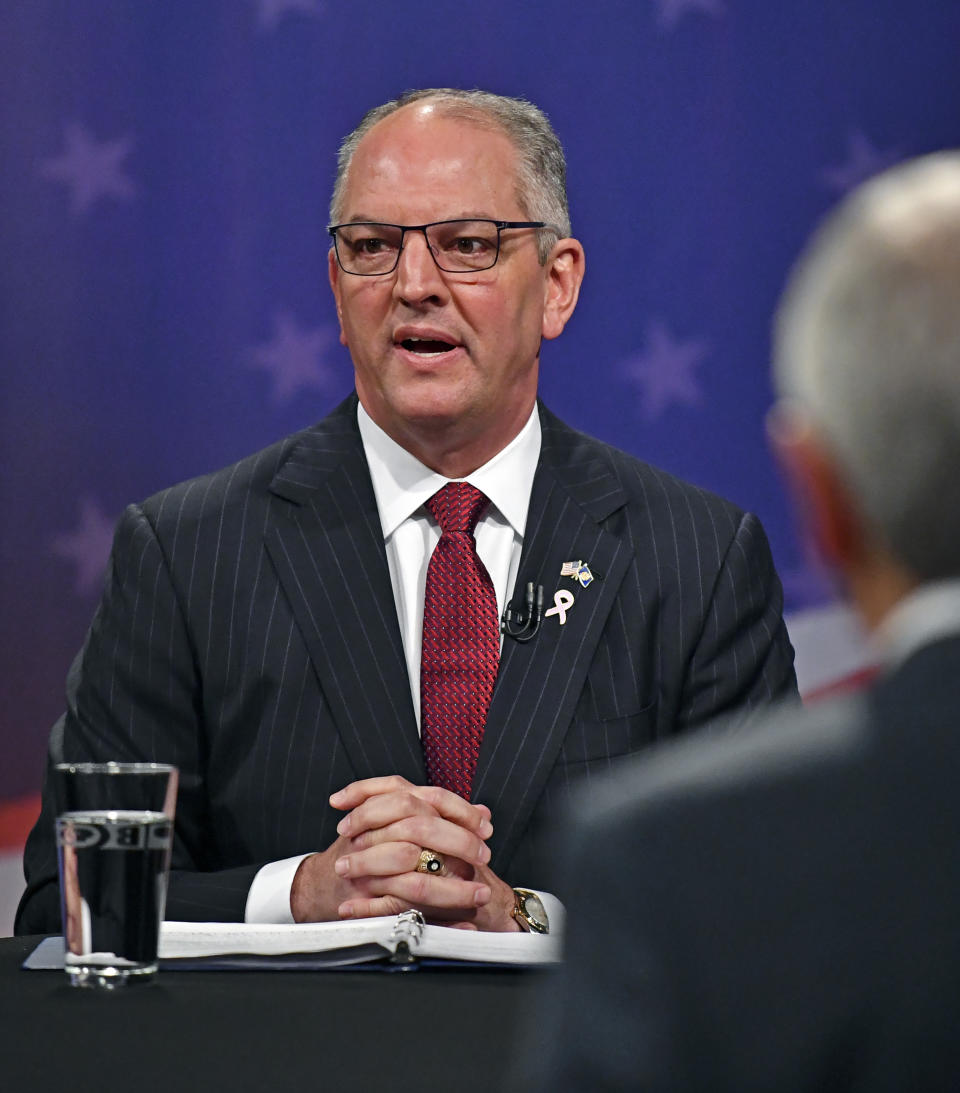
(92, 169)
(293, 357)
(863, 160)
(272, 11)
(672, 11)
(87, 546)
(664, 370)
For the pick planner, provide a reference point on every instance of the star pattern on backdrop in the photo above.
(90, 168)
(664, 370)
(87, 546)
(294, 357)
(670, 12)
(863, 160)
(272, 11)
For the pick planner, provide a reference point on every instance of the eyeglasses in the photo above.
(458, 246)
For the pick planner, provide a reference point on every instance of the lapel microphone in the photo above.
(522, 623)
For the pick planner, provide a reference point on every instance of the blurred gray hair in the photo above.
(541, 167)
(867, 342)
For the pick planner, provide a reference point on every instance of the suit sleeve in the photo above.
(134, 694)
(742, 659)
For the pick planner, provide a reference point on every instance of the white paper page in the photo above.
(190, 939)
(508, 948)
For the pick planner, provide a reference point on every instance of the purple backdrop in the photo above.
(164, 178)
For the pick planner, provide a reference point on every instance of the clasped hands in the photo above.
(371, 868)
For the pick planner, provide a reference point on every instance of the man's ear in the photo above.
(333, 272)
(564, 275)
(826, 505)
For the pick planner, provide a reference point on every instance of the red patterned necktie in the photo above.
(461, 642)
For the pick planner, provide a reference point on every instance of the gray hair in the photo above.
(541, 167)
(867, 341)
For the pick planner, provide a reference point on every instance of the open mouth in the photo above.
(426, 347)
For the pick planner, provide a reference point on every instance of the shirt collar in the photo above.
(927, 614)
(401, 483)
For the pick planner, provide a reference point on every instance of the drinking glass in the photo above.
(114, 837)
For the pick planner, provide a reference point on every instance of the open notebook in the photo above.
(398, 938)
(395, 942)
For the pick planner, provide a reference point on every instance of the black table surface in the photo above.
(430, 1029)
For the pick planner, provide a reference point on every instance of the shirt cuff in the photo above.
(268, 900)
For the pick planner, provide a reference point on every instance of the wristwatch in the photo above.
(529, 911)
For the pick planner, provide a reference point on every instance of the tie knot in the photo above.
(457, 507)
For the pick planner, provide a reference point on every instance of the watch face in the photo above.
(533, 905)
(531, 908)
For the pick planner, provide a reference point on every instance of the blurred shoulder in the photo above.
(731, 766)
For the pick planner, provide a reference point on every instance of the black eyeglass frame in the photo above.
(500, 225)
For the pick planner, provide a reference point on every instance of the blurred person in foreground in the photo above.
(312, 635)
(779, 909)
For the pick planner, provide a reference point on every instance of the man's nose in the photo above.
(418, 277)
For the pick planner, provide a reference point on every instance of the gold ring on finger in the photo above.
(430, 862)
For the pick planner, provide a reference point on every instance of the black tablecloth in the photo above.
(431, 1029)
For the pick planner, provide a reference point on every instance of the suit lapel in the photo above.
(327, 545)
(540, 681)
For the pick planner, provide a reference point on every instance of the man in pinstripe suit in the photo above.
(261, 626)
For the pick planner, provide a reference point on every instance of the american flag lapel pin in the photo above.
(579, 571)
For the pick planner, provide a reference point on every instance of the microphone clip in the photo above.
(522, 623)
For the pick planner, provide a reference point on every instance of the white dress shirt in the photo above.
(929, 613)
(401, 484)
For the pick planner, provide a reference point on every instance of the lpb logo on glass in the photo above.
(114, 836)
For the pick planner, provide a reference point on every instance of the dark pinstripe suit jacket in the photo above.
(248, 634)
